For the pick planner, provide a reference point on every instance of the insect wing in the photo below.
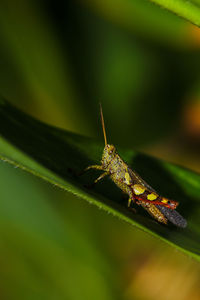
(137, 179)
(173, 216)
(148, 194)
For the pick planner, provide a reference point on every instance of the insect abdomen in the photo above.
(154, 212)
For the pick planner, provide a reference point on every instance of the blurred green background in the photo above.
(57, 61)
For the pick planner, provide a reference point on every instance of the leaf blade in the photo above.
(188, 10)
(55, 155)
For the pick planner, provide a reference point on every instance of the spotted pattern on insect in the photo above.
(138, 189)
(164, 200)
(127, 178)
(152, 196)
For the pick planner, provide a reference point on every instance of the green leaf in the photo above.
(189, 10)
(57, 156)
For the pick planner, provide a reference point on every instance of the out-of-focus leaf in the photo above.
(35, 56)
(43, 254)
(56, 156)
(145, 18)
(189, 10)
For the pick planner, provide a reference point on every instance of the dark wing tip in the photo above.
(173, 216)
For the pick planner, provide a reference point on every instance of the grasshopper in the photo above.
(139, 192)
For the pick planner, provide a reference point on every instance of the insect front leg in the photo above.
(96, 167)
(102, 176)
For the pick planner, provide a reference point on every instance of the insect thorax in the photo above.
(111, 159)
(109, 154)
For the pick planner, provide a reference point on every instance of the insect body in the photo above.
(133, 185)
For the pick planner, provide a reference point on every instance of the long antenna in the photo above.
(103, 124)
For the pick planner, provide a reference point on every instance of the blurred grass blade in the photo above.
(189, 10)
(57, 155)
